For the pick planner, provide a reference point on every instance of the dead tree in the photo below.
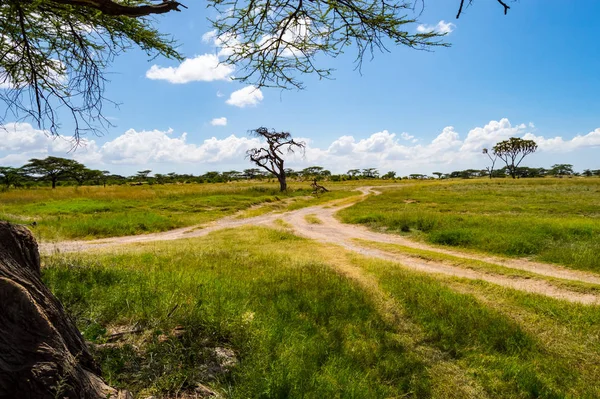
(317, 188)
(42, 354)
(270, 157)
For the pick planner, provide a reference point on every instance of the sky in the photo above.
(533, 73)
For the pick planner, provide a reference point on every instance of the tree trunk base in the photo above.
(42, 354)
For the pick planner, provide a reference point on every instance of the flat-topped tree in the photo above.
(270, 156)
(513, 151)
(52, 168)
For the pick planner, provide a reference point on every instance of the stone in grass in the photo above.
(225, 357)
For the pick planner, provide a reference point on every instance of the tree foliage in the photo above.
(53, 54)
(270, 157)
(513, 151)
(52, 168)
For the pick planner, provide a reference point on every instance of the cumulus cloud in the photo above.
(441, 27)
(203, 68)
(219, 121)
(558, 144)
(384, 150)
(488, 135)
(247, 96)
(21, 141)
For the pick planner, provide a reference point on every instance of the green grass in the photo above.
(479, 265)
(511, 356)
(313, 219)
(302, 326)
(552, 220)
(95, 212)
(299, 328)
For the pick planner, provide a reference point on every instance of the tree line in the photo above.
(55, 171)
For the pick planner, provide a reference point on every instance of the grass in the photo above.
(313, 219)
(302, 324)
(479, 265)
(299, 329)
(551, 220)
(508, 354)
(96, 212)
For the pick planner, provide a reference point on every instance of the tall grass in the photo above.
(509, 359)
(94, 212)
(299, 329)
(549, 219)
(302, 329)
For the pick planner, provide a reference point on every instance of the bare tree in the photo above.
(490, 169)
(270, 157)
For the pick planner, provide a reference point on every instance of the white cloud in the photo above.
(203, 68)
(407, 137)
(248, 96)
(219, 121)
(383, 150)
(558, 144)
(495, 131)
(441, 27)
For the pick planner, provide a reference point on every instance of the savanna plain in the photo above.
(472, 288)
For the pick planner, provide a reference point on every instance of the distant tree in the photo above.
(270, 157)
(104, 177)
(389, 175)
(588, 173)
(370, 173)
(10, 176)
(561, 169)
(142, 175)
(81, 174)
(311, 171)
(353, 173)
(231, 175)
(513, 151)
(251, 173)
(438, 174)
(51, 168)
(494, 158)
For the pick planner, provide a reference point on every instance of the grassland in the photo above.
(552, 220)
(313, 321)
(95, 212)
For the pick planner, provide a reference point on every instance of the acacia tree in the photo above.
(53, 53)
(270, 157)
(10, 176)
(52, 168)
(513, 151)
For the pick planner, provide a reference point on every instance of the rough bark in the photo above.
(42, 354)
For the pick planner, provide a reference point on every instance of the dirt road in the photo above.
(332, 231)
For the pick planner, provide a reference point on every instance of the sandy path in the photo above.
(334, 232)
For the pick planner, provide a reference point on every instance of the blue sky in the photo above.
(532, 73)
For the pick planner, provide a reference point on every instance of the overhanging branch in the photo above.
(110, 7)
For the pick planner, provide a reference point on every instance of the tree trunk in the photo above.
(282, 183)
(53, 183)
(42, 354)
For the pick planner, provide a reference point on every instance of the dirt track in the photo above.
(333, 231)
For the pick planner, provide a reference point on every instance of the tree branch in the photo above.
(110, 7)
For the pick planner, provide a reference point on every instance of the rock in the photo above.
(42, 354)
(226, 358)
